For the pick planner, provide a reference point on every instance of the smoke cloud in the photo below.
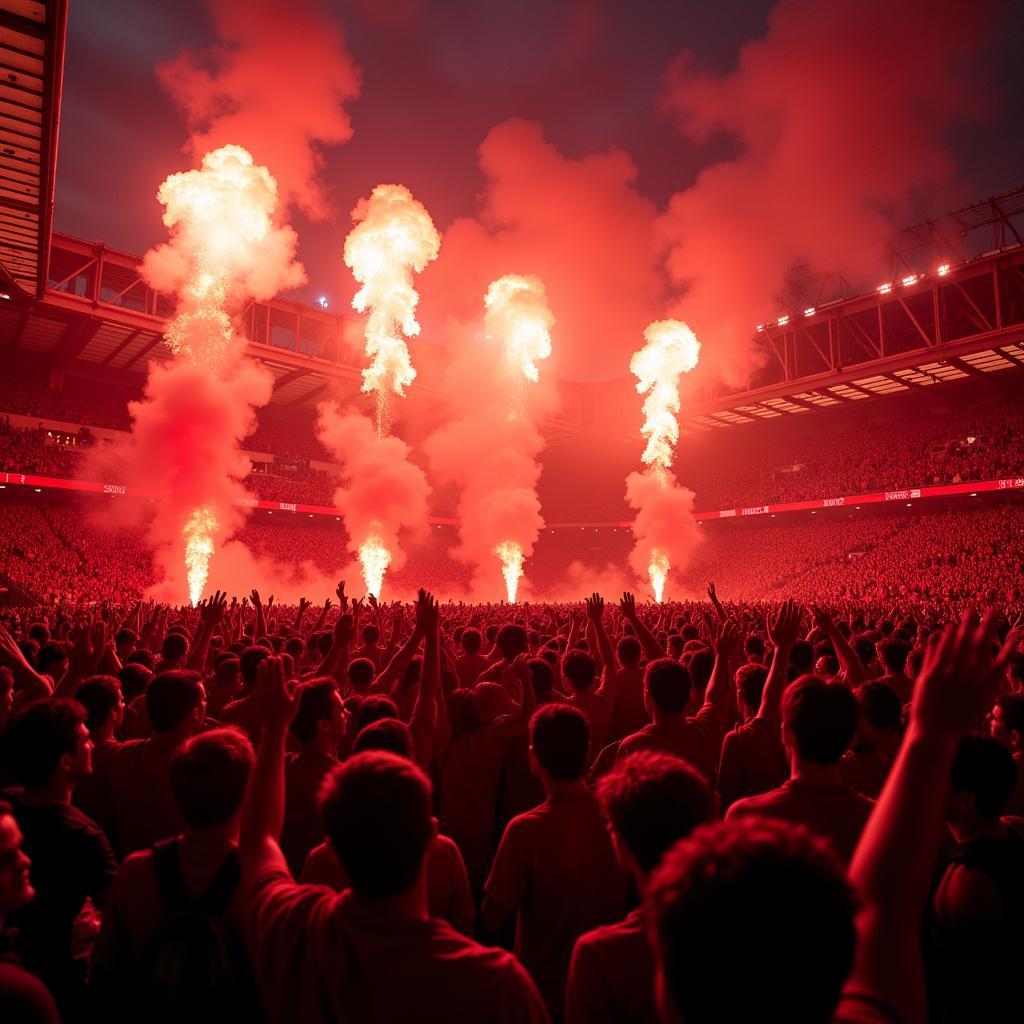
(839, 115)
(276, 83)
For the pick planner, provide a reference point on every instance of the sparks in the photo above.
(511, 555)
(393, 237)
(672, 349)
(198, 533)
(518, 314)
(658, 571)
(374, 558)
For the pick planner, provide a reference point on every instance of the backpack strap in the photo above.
(168, 875)
(222, 888)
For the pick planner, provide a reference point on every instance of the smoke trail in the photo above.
(665, 529)
(224, 250)
(276, 84)
(383, 490)
(490, 445)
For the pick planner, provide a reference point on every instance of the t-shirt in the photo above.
(302, 826)
(596, 706)
(556, 867)
(469, 668)
(753, 761)
(145, 810)
(319, 956)
(628, 712)
(448, 895)
(94, 794)
(244, 714)
(833, 811)
(697, 740)
(71, 861)
(611, 976)
(24, 998)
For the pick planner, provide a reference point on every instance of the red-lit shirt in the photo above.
(697, 740)
(753, 761)
(319, 956)
(302, 826)
(145, 810)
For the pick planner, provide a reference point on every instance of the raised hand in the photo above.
(595, 608)
(427, 617)
(784, 627)
(340, 594)
(278, 695)
(628, 605)
(211, 611)
(726, 639)
(343, 630)
(712, 593)
(255, 596)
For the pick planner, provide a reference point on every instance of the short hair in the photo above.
(983, 766)
(373, 709)
(141, 656)
(135, 677)
(361, 671)
(668, 684)
(754, 645)
(880, 705)
(175, 647)
(1012, 707)
(249, 662)
(822, 718)
(294, 646)
(652, 800)
(39, 631)
(51, 653)
(171, 697)
(371, 634)
(471, 640)
(227, 668)
(772, 894)
(512, 640)
(125, 636)
(543, 679)
(99, 695)
(209, 773)
(629, 651)
(560, 738)
(377, 813)
(34, 742)
(386, 734)
(701, 665)
(579, 668)
(893, 654)
(750, 680)
(801, 657)
(314, 707)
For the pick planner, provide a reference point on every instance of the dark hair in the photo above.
(822, 718)
(700, 666)
(1012, 707)
(376, 810)
(579, 668)
(750, 680)
(99, 696)
(629, 651)
(35, 741)
(141, 656)
(361, 671)
(801, 657)
(371, 634)
(171, 697)
(134, 678)
(294, 646)
(754, 645)
(125, 636)
(652, 800)
(773, 895)
(893, 654)
(543, 679)
(175, 647)
(209, 773)
(227, 668)
(512, 640)
(373, 709)
(560, 739)
(463, 716)
(51, 653)
(984, 767)
(880, 706)
(669, 685)
(386, 734)
(248, 663)
(471, 640)
(314, 707)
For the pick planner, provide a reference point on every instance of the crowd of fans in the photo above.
(575, 811)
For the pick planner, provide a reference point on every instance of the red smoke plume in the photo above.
(276, 84)
(838, 115)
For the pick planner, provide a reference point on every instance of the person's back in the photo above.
(555, 868)
(470, 664)
(819, 720)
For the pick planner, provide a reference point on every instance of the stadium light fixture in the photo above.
(782, 321)
(910, 279)
(5, 296)
(323, 302)
(809, 311)
(884, 289)
(943, 270)
(760, 328)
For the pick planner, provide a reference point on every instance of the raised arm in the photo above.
(211, 612)
(848, 659)
(720, 691)
(30, 685)
(263, 806)
(647, 639)
(595, 614)
(261, 620)
(783, 630)
(719, 609)
(893, 864)
(297, 624)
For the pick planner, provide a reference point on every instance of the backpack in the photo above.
(195, 967)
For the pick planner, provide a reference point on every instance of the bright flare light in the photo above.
(943, 270)
(393, 238)
(658, 571)
(672, 349)
(198, 533)
(518, 314)
(374, 559)
(511, 555)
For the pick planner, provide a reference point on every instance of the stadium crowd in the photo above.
(579, 812)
